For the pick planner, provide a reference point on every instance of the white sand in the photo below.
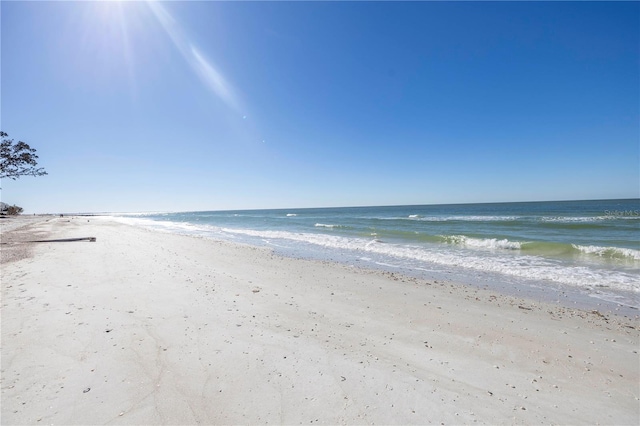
(142, 327)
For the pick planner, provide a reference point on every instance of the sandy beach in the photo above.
(145, 327)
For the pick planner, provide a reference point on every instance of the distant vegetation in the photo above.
(6, 209)
(16, 159)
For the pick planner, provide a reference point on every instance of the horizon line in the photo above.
(106, 213)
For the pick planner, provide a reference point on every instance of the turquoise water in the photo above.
(589, 247)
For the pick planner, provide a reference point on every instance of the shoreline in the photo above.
(166, 328)
(560, 253)
(596, 296)
(554, 294)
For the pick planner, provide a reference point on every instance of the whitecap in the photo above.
(609, 251)
(487, 243)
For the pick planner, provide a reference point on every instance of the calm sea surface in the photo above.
(588, 248)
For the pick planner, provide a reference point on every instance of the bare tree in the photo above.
(17, 159)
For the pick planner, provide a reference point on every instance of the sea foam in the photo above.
(521, 266)
(614, 252)
(485, 243)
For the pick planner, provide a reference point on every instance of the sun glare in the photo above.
(104, 29)
(114, 41)
(110, 38)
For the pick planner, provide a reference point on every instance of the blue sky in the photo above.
(148, 106)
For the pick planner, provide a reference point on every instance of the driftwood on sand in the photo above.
(59, 240)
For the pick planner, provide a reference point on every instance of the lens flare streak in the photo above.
(208, 74)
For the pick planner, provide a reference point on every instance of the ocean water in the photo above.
(568, 249)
